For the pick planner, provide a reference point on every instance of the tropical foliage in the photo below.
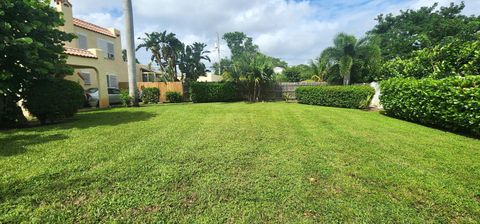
(455, 58)
(349, 59)
(191, 63)
(427, 27)
(165, 49)
(31, 49)
(248, 65)
(452, 103)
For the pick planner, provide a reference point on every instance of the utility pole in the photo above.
(219, 58)
(131, 59)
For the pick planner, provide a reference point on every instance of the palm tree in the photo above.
(191, 64)
(345, 53)
(319, 68)
(172, 47)
(152, 43)
(256, 69)
(165, 50)
(341, 54)
(130, 53)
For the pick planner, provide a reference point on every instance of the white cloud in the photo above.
(295, 31)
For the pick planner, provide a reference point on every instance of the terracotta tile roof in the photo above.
(79, 52)
(93, 27)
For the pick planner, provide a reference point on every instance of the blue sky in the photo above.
(295, 31)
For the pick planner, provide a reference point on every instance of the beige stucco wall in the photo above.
(99, 67)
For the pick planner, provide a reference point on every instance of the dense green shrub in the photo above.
(174, 97)
(150, 95)
(357, 96)
(452, 103)
(54, 99)
(454, 58)
(125, 98)
(202, 92)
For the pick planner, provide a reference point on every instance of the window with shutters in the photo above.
(82, 41)
(110, 51)
(107, 47)
(85, 75)
(112, 81)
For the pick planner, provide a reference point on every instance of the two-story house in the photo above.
(96, 54)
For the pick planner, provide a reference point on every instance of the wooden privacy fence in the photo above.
(163, 86)
(281, 89)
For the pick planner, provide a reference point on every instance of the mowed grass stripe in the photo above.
(238, 162)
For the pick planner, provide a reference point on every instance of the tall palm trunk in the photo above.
(346, 79)
(132, 82)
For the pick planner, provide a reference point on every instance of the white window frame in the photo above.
(79, 38)
(103, 44)
(86, 77)
(111, 84)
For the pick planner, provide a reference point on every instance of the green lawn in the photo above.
(238, 163)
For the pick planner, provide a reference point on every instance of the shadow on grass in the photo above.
(464, 133)
(96, 118)
(16, 144)
(106, 118)
(17, 141)
(46, 187)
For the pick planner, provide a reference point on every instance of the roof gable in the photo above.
(93, 27)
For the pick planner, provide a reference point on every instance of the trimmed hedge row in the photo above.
(336, 96)
(203, 92)
(451, 103)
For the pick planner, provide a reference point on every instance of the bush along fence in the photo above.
(203, 92)
(174, 97)
(237, 91)
(164, 87)
(357, 96)
(450, 103)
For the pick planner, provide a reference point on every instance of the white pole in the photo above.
(219, 57)
(129, 36)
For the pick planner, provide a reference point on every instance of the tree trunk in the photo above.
(132, 67)
(11, 115)
(346, 79)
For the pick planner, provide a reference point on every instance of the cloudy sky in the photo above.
(295, 31)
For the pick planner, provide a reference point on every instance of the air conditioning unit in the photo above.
(111, 56)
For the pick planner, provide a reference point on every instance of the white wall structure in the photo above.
(376, 98)
(210, 77)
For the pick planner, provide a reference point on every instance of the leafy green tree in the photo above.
(256, 70)
(248, 65)
(31, 48)
(423, 28)
(341, 54)
(350, 59)
(165, 48)
(455, 58)
(239, 43)
(292, 74)
(191, 63)
(226, 65)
